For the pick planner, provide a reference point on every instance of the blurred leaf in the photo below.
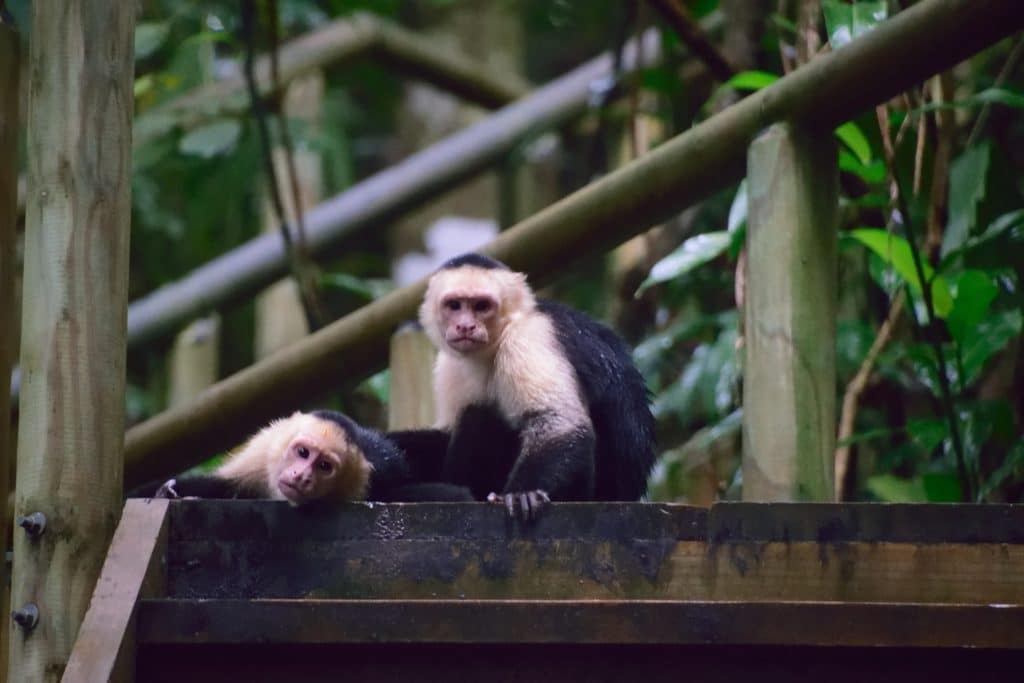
(854, 138)
(368, 289)
(988, 337)
(847, 22)
(649, 353)
(967, 176)
(928, 433)
(738, 209)
(1011, 470)
(896, 252)
(872, 173)
(892, 489)
(941, 487)
(210, 140)
(692, 253)
(149, 36)
(979, 99)
(751, 80)
(973, 293)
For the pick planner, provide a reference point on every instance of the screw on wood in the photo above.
(27, 617)
(33, 524)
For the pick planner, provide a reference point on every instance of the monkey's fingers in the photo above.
(525, 505)
(166, 490)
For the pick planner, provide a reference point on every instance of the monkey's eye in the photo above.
(453, 304)
(325, 465)
(482, 305)
(303, 452)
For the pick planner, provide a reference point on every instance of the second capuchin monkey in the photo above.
(535, 401)
(306, 457)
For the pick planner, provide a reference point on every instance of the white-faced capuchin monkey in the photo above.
(322, 455)
(535, 401)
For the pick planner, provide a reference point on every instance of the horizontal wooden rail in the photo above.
(570, 621)
(927, 38)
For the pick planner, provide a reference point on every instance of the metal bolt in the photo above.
(27, 617)
(34, 524)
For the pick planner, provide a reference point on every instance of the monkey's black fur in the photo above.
(609, 462)
(392, 480)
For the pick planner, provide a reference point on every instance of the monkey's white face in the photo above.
(469, 321)
(309, 469)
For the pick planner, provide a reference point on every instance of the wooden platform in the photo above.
(259, 591)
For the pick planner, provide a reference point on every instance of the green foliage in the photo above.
(897, 253)
(848, 22)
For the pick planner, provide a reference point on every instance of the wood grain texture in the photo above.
(411, 396)
(71, 434)
(789, 377)
(134, 569)
(9, 95)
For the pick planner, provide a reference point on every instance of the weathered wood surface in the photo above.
(789, 377)
(10, 60)
(234, 550)
(411, 403)
(71, 433)
(567, 663)
(134, 569)
(581, 622)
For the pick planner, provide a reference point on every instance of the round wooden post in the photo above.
(789, 380)
(411, 396)
(71, 435)
(9, 65)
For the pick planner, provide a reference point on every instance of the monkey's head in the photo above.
(318, 459)
(470, 301)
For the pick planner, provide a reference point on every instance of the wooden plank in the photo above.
(10, 61)
(411, 402)
(135, 568)
(563, 568)
(639, 622)
(77, 219)
(570, 663)
(866, 522)
(789, 378)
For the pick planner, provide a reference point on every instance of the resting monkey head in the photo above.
(470, 302)
(302, 458)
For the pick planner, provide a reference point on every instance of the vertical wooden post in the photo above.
(195, 360)
(789, 382)
(280, 320)
(9, 65)
(71, 435)
(411, 396)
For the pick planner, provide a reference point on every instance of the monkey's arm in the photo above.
(555, 462)
(194, 486)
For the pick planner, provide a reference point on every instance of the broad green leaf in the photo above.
(896, 251)
(967, 176)
(1008, 222)
(751, 80)
(973, 293)
(694, 252)
(210, 140)
(941, 487)
(847, 22)
(149, 37)
(854, 138)
(988, 337)
(872, 173)
(893, 489)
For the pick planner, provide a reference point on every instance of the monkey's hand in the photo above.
(526, 505)
(167, 490)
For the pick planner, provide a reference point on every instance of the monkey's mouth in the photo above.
(465, 343)
(291, 492)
